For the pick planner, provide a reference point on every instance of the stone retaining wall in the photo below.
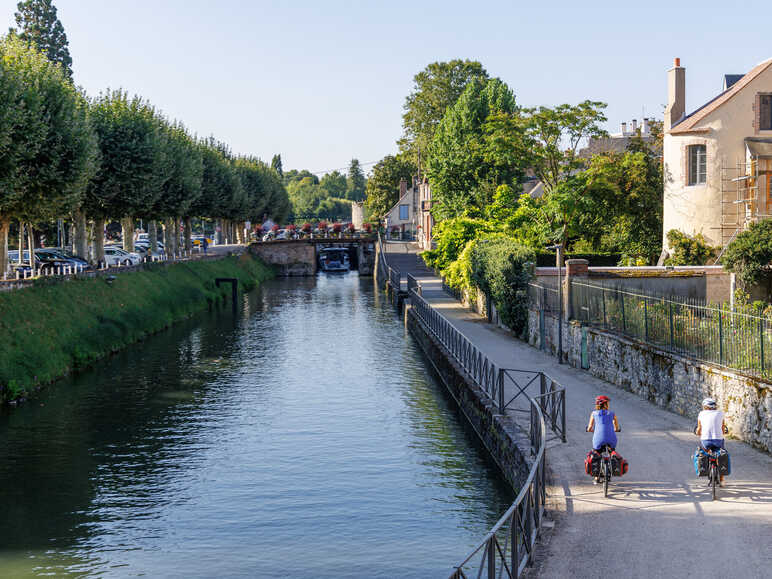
(674, 382)
(507, 444)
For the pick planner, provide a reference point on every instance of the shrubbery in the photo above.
(685, 250)
(451, 237)
(750, 254)
(502, 269)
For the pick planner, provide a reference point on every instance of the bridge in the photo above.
(298, 257)
(659, 519)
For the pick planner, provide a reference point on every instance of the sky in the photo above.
(324, 81)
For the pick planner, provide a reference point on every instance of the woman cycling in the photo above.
(711, 428)
(604, 426)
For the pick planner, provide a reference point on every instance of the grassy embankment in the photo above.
(56, 327)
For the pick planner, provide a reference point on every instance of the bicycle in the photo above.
(714, 478)
(605, 467)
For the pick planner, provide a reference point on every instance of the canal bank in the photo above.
(57, 326)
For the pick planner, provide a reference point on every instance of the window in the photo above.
(697, 165)
(765, 112)
(404, 212)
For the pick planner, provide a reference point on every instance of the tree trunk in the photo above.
(188, 234)
(99, 240)
(80, 243)
(171, 251)
(240, 232)
(152, 235)
(218, 232)
(20, 258)
(31, 247)
(5, 226)
(127, 227)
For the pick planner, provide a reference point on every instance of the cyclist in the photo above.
(711, 428)
(604, 426)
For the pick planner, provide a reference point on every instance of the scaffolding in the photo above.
(739, 197)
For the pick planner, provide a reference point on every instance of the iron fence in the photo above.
(710, 333)
(455, 292)
(544, 296)
(551, 397)
(395, 279)
(414, 285)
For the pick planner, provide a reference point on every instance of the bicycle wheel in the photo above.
(606, 478)
(713, 479)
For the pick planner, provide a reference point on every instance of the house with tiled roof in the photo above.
(718, 158)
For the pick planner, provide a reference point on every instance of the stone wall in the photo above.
(674, 382)
(291, 258)
(507, 444)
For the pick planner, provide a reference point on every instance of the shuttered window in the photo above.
(765, 112)
(698, 166)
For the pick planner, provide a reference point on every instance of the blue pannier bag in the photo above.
(700, 462)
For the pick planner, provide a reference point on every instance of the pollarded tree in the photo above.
(40, 26)
(48, 150)
(464, 171)
(382, 190)
(131, 176)
(220, 185)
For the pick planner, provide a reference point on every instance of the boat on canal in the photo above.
(334, 259)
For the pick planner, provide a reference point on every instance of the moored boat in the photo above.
(334, 259)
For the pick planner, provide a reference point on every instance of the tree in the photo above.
(334, 184)
(435, 88)
(465, 165)
(276, 165)
(39, 26)
(382, 190)
(48, 150)
(355, 182)
(132, 175)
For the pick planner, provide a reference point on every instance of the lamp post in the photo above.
(558, 247)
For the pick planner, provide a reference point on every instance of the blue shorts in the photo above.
(712, 443)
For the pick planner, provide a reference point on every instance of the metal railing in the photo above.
(414, 285)
(455, 292)
(710, 333)
(551, 398)
(395, 279)
(544, 296)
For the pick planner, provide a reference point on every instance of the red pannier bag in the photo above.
(592, 463)
(619, 465)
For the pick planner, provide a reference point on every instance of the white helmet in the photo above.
(709, 403)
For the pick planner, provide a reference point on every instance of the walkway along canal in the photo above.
(303, 437)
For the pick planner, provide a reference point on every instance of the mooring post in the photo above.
(234, 288)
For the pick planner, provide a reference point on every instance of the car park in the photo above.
(114, 255)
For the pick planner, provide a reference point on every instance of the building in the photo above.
(410, 218)
(618, 142)
(358, 214)
(718, 159)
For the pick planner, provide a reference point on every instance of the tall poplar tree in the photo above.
(276, 164)
(39, 26)
(355, 182)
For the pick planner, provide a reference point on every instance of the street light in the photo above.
(558, 247)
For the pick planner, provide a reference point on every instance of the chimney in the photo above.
(623, 126)
(635, 125)
(645, 129)
(676, 95)
(402, 187)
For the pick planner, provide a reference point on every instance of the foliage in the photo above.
(355, 182)
(685, 250)
(465, 163)
(435, 88)
(451, 237)
(334, 184)
(502, 268)
(40, 27)
(382, 190)
(276, 165)
(750, 253)
(183, 167)
(53, 328)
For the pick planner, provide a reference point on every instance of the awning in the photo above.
(758, 147)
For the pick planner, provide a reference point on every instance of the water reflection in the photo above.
(303, 438)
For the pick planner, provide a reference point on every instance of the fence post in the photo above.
(761, 341)
(646, 318)
(501, 390)
(624, 321)
(720, 337)
(672, 331)
(603, 297)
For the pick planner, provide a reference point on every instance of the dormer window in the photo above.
(698, 166)
(765, 112)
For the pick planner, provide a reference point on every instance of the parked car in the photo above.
(114, 255)
(56, 253)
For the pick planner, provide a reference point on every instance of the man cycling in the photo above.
(711, 428)
(604, 426)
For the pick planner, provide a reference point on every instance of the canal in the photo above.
(302, 437)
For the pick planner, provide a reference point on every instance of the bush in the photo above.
(685, 250)
(750, 254)
(502, 269)
(451, 237)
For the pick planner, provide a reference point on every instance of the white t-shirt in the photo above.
(711, 421)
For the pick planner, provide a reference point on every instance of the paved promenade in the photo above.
(659, 520)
